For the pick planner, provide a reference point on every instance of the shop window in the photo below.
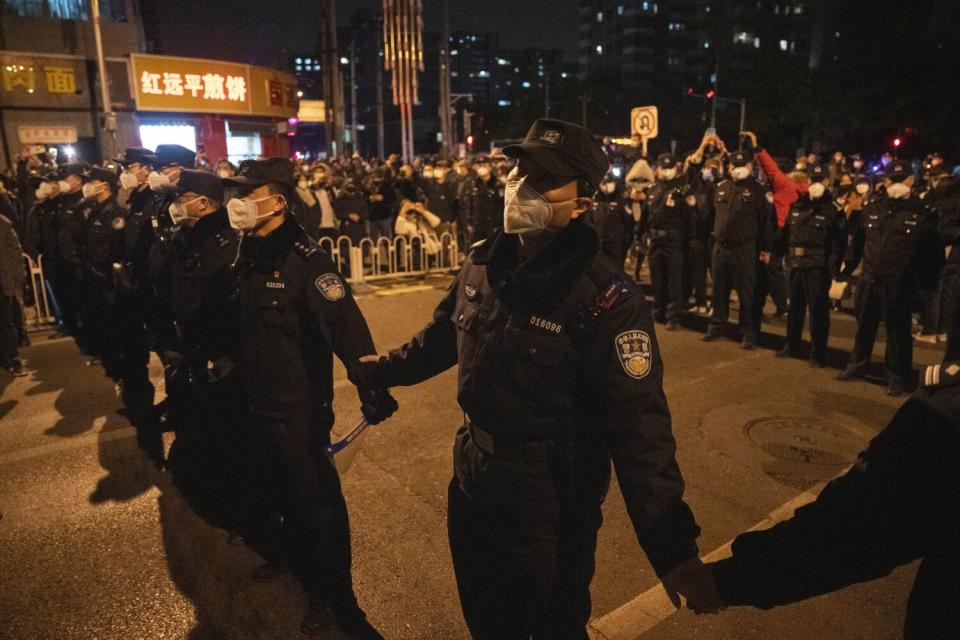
(153, 135)
(69, 9)
(243, 145)
(24, 8)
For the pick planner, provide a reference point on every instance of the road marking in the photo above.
(395, 291)
(650, 608)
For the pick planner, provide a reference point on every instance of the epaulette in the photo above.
(305, 249)
(941, 375)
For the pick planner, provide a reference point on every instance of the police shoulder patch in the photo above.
(330, 287)
(633, 349)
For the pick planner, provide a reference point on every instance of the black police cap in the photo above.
(256, 173)
(563, 149)
(73, 169)
(899, 171)
(200, 182)
(666, 161)
(139, 155)
(106, 173)
(168, 154)
(817, 173)
(740, 158)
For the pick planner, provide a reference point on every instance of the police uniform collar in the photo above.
(546, 278)
(273, 248)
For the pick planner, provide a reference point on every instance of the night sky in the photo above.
(240, 30)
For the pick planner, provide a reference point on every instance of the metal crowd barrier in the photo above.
(39, 315)
(385, 258)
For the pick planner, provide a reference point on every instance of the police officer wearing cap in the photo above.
(945, 200)
(205, 343)
(815, 234)
(901, 255)
(69, 223)
(296, 311)
(483, 201)
(669, 217)
(899, 503)
(611, 216)
(559, 373)
(137, 164)
(742, 235)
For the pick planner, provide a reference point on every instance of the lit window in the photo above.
(502, 62)
(599, 50)
(299, 60)
(756, 43)
(656, 7)
(599, 16)
(798, 9)
(564, 75)
(454, 74)
(706, 44)
(503, 103)
(646, 6)
(620, 10)
(525, 85)
(784, 45)
(454, 52)
(742, 37)
(483, 74)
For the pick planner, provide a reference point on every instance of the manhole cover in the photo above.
(805, 439)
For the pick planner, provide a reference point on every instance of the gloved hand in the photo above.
(376, 404)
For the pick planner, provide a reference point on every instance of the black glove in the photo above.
(377, 404)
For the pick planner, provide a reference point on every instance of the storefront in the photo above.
(224, 109)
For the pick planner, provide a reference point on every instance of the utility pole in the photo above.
(546, 96)
(354, 141)
(332, 79)
(108, 142)
(380, 147)
(445, 104)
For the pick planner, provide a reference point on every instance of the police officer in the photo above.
(560, 372)
(610, 215)
(206, 450)
(137, 164)
(68, 224)
(296, 311)
(899, 503)
(669, 220)
(815, 235)
(898, 244)
(40, 236)
(483, 201)
(945, 198)
(742, 235)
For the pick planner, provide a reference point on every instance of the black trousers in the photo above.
(950, 309)
(67, 290)
(891, 302)
(809, 292)
(699, 264)
(9, 337)
(734, 268)
(295, 475)
(666, 275)
(137, 390)
(771, 281)
(523, 544)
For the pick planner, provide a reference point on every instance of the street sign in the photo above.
(645, 121)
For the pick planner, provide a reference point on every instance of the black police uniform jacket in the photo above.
(201, 288)
(945, 200)
(744, 215)
(103, 244)
(815, 234)
(69, 225)
(668, 215)
(898, 244)
(296, 311)
(542, 359)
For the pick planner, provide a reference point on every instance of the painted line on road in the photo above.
(94, 435)
(650, 608)
(381, 293)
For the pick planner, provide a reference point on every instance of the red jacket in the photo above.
(786, 190)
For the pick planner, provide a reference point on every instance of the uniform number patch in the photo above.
(330, 286)
(633, 348)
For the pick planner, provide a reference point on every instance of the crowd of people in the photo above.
(218, 272)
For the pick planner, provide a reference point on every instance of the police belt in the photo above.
(663, 233)
(508, 448)
(807, 252)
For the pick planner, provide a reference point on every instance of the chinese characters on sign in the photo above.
(20, 77)
(165, 83)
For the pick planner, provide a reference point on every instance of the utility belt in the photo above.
(664, 233)
(509, 448)
(727, 243)
(806, 252)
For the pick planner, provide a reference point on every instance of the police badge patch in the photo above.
(551, 136)
(633, 347)
(330, 286)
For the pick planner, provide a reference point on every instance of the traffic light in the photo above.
(710, 94)
(897, 142)
(689, 91)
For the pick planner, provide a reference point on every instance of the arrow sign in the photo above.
(645, 121)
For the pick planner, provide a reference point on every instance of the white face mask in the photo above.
(863, 188)
(608, 187)
(244, 212)
(707, 175)
(667, 174)
(129, 180)
(46, 190)
(159, 181)
(898, 190)
(857, 164)
(223, 173)
(483, 171)
(178, 211)
(91, 191)
(817, 190)
(64, 186)
(740, 173)
(427, 173)
(524, 209)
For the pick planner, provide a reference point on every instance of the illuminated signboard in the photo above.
(194, 85)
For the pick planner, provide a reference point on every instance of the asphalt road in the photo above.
(95, 543)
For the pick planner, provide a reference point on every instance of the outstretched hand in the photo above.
(695, 582)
